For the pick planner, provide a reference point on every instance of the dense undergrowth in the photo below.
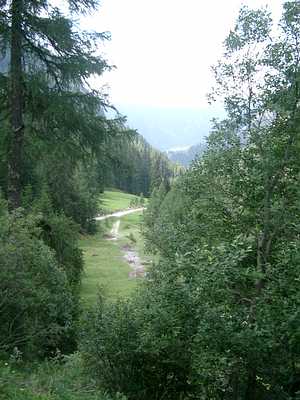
(39, 293)
(61, 378)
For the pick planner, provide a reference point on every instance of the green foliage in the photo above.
(166, 209)
(142, 200)
(138, 167)
(72, 190)
(48, 99)
(56, 379)
(66, 135)
(130, 348)
(112, 359)
(237, 207)
(37, 305)
(137, 202)
(60, 233)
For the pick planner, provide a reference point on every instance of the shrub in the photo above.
(109, 345)
(60, 233)
(135, 349)
(37, 307)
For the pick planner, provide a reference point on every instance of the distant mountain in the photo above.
(166, 128)
(184, 156)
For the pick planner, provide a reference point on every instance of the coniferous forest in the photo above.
(217, 314)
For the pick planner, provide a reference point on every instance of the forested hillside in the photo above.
(185, 157)
(137, 167)
(214, 312)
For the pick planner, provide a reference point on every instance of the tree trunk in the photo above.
(16, 107)
(250, 393)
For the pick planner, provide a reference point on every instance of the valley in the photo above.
(155, 254)
(112, 256)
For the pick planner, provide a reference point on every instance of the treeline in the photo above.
(218, 315)
(138, 168)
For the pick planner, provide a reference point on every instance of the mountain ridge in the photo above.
(185, 156)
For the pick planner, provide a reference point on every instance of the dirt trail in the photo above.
(132, 258)
(114, 233)
(119, 214)
(130, 255)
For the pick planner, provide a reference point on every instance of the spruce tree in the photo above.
(44, 89)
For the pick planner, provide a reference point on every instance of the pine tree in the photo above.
(49, 63)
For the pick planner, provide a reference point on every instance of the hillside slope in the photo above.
(185, 156)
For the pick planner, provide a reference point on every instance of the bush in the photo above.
(37, 307)
(109, 345)
(135, 348)
(60, 233)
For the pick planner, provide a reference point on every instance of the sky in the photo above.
(163, 49)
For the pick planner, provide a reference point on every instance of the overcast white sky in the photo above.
(163, 49)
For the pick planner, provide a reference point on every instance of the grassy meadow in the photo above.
(105, 267)
(130, 233)
(115, 200)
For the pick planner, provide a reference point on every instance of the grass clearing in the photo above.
(130, 234)
(105, 268)
(114, 200)
(130, 230)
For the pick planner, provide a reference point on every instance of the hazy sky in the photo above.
(163, 49)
